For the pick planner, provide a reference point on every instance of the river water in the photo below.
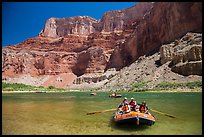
(65, 113)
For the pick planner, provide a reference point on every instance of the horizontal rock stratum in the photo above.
(81, 44)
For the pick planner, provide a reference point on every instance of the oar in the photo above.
(162, 113)
(90, 113)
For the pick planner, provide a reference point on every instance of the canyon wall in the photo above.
(82, 45)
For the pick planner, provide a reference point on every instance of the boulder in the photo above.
(185, 55)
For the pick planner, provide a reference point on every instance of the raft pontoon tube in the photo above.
(134, 117)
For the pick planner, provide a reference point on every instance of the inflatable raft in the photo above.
(134, 117)
(115, 96)
(93, 94)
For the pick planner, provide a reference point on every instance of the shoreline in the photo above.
(18, 91)
(178, 90)
(168, 90)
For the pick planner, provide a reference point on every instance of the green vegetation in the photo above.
(51, 87)
(143, 86)
(23, 87)
(174, 85)
(134, 87)
(139, 86)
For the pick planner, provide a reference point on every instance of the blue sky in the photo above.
(22, 20)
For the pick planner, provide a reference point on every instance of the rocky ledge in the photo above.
(185, 55)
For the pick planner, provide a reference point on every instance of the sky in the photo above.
(22, 20)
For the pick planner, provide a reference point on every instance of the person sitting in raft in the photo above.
(137, 108)
(133, 104)
(113, 95)
(123, 102)
(126, 108)
(144, 108)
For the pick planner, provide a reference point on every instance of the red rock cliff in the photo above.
(159, 26)
(82, 44)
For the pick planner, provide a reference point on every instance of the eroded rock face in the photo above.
(112, 21)
(96, 77)
(36, 62)
(62, 27)
(159, 26)
(90, 61)
(185, 55)
(119, 20)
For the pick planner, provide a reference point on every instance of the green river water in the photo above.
(65, 113)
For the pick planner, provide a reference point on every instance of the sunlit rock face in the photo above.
(159, 26)
(62, 27)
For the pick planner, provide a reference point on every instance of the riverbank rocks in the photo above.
(185, 54)
(96, 77)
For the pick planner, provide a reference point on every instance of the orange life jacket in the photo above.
(142, 108)
(125, 108)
